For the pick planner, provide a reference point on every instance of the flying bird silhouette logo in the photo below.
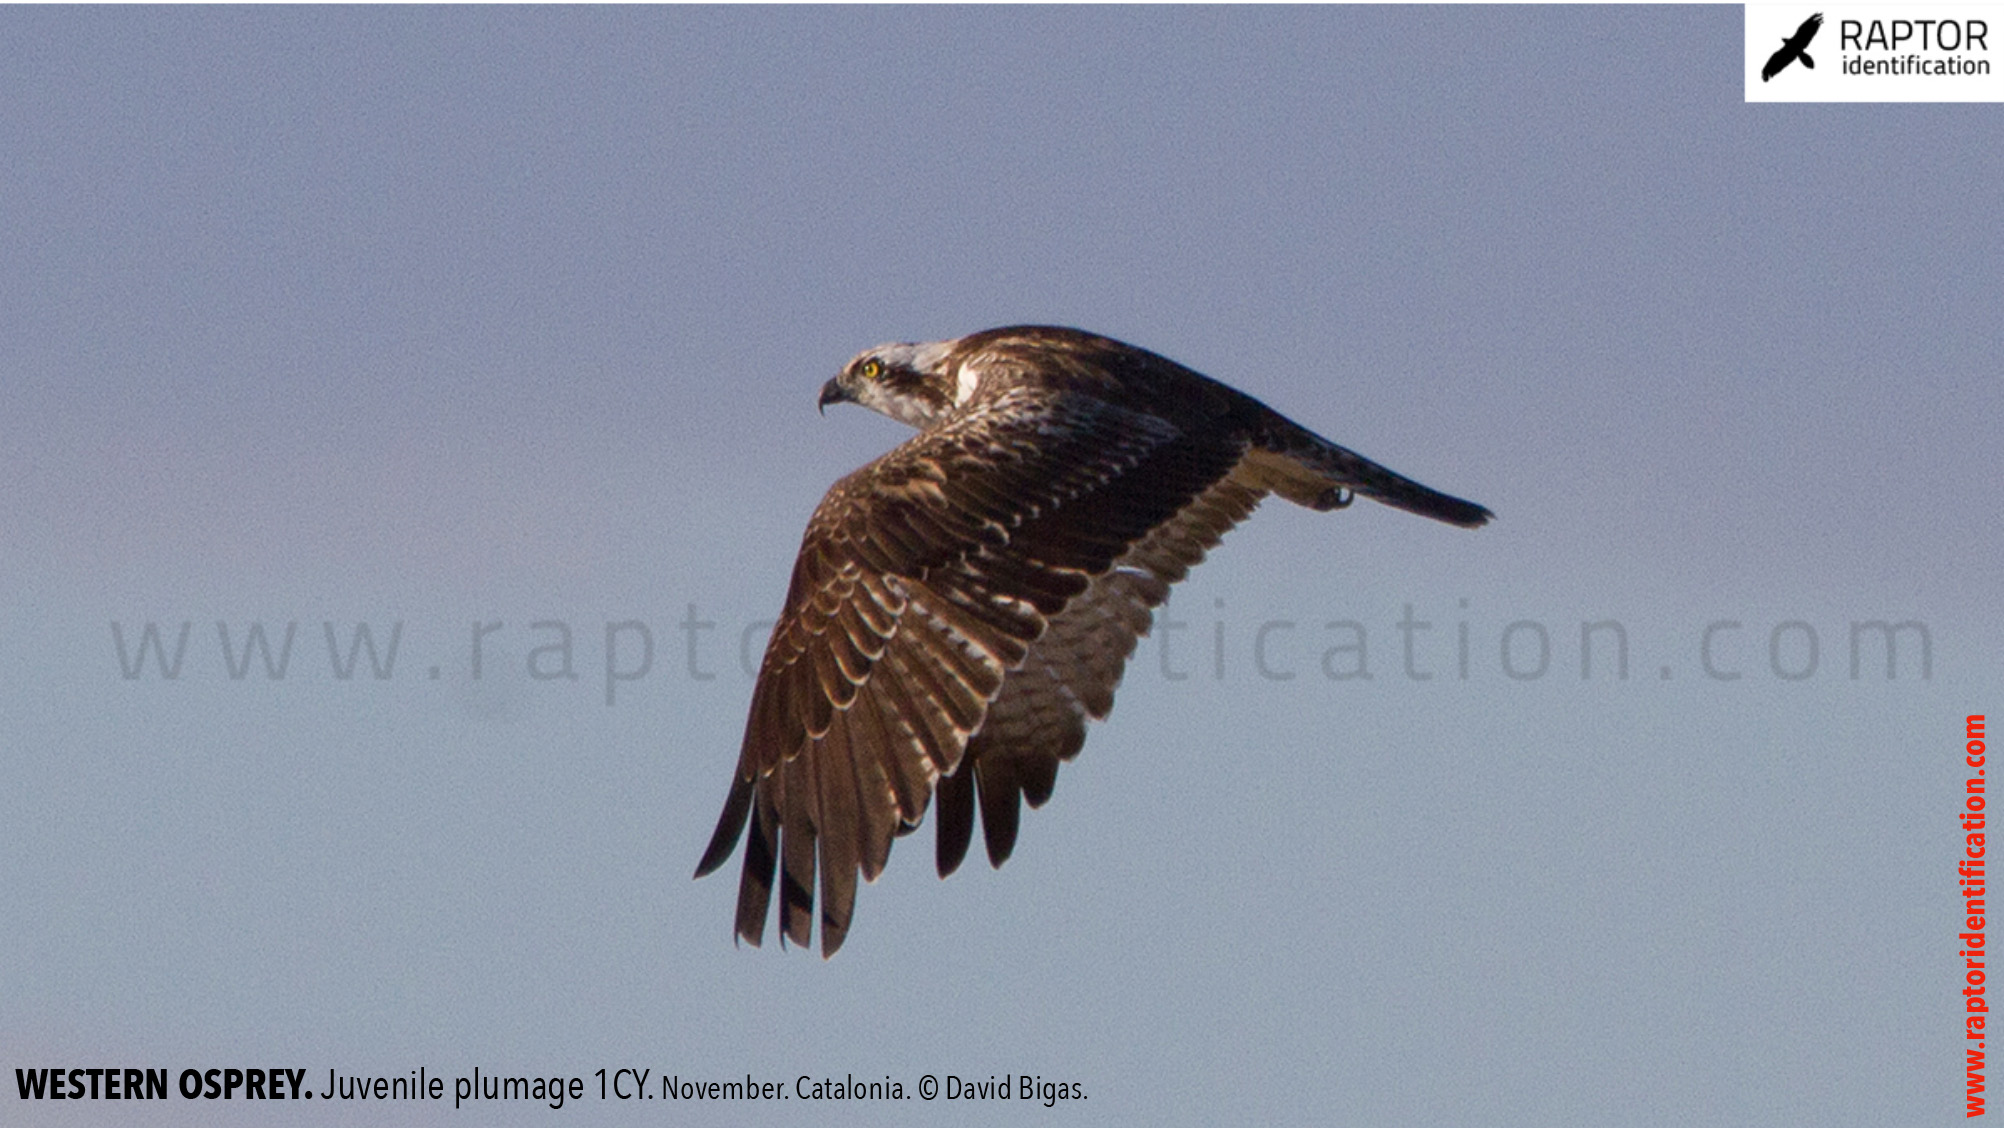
(1794, 47)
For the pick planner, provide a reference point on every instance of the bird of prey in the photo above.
(962, 605)
(1794, 47)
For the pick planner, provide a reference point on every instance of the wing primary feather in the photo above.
(836, 830)
(796, 853)
(876, 744)
(755, 883)
(737, 805)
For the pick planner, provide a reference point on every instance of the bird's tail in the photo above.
(1309, 470)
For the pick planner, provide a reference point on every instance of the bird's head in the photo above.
(910, 383)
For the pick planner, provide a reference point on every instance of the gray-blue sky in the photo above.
(445, 316)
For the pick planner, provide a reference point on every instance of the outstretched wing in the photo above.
(926, 582)
(1070, 673)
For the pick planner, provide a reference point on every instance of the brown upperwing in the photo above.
(924, 579)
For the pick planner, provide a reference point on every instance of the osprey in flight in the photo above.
(962, 605)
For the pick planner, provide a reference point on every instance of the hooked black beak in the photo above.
(833, 392)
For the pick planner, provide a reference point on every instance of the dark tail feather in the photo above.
(1380, 484)
(1309, 470)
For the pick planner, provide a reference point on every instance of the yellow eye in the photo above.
(872, 368)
